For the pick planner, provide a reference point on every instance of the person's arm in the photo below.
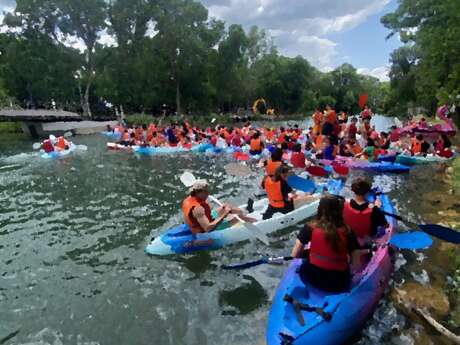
(378, 219)
(303, 238)
(200, 216)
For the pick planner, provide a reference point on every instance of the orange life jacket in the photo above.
(61, 144)
(324, 256)
(256, 145)
(275, 196)
(416, 146)
(358, 221)
(187, 208)
(271, 167)
(318, 141)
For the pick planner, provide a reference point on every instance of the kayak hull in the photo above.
(59, 154)
(349, 310)
(180, 240)
(379, 167)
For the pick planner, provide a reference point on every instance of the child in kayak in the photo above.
(332, 245)
(199, 216)
(362, 217)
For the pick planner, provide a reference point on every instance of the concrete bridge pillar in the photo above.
(34, 129)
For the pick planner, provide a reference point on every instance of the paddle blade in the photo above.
(187, 179)
(341, 169)
(363, 100)
(302, 184)
(411, 240)
(241, 156)
(36, 146)
(236, 169)
(245, 265)
(317, 171)
(441, 232)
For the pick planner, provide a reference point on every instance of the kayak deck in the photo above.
(347, 311)
(180, 240)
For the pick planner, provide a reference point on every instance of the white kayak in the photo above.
(180, 240)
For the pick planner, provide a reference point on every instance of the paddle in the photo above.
(267, 260)
(36, 146)
(188, 180)
(439, 231)
(317, 171)
(341, 169)
(407, 240)
(237, 169)
(302, 184)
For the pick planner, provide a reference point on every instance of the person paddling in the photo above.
(281, 197)
(362, 217)
(331, 248)
(198, 214)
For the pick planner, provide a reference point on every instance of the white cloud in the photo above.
(381, 73)
(300, 27)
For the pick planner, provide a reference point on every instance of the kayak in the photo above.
(330, 318)
(118, 147)
(58, 154)
(180, 240)
(414, 160)
(111, 135)
(163, 150)
(360, 164)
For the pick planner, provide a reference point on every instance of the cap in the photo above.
(199, 185)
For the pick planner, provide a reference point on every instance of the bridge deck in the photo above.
(42, 115)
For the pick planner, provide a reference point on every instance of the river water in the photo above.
(73, 270)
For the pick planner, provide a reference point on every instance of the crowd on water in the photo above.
(338, 240)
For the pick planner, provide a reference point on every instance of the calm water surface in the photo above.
(73, 270)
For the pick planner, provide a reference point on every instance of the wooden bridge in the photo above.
(32, 120)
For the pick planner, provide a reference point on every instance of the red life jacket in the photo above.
(48, 146)
(358, 221)
(298, 160)
(187, 207)
(324, 256)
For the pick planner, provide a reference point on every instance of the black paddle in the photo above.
(438, 231)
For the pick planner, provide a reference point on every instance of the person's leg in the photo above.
(303, 198)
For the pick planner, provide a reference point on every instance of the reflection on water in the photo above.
(73, 270)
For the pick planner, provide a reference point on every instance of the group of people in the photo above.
(53, 144)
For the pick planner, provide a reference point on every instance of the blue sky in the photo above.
(326, 32)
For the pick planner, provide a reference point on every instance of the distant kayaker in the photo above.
(199, 216)
(256, 145)
(332, 245)
(362, 217)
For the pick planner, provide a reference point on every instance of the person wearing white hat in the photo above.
(198, 214)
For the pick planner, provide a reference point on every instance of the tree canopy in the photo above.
(426, 70)
(143, 54)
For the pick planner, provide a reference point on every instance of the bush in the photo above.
(10, 127)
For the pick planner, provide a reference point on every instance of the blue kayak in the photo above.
(180, 240)
(112, 134)
(329, 318)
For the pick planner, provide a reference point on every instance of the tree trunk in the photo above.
(178, 106)
(86, 106)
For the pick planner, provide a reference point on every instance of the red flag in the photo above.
(363, 100)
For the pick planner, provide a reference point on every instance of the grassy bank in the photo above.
(10, 127)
